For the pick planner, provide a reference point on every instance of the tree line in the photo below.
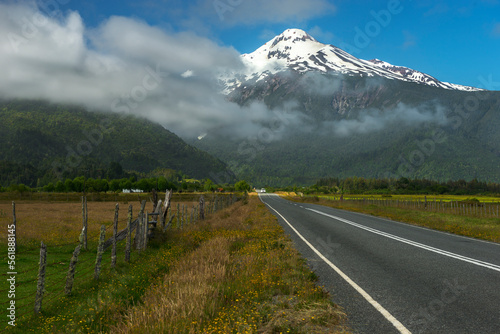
(360, 185)
(90, 185)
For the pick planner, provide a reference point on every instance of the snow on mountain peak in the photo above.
(280, 52)
(295, 35)
(296, 50)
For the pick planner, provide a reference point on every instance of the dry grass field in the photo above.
(234, 272)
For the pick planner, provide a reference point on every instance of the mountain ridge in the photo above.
(366, 119)
(296, 50)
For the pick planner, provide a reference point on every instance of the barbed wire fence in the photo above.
(40, 285)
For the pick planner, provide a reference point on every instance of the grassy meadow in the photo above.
(234, 272)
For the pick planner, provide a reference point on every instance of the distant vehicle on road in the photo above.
(263, 190)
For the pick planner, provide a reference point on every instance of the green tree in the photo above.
(114, 185)
(69, 185)
(242, 186)
(49, 187)
(60, 187)
(78, 183)
(208, 185)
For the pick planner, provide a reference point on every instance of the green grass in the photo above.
(245, 277)
(88, 307)
(236, 272)
(444, 198)
(472, 225)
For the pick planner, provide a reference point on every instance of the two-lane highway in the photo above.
(392, 277)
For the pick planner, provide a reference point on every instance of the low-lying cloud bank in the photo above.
(128, 66)
(374, 120)
(124, 65)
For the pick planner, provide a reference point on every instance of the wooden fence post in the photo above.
(100, 248)
(169, 222)
(14, 222)
(140, 227)
(70, 277)
(40, 286)
(138, 233)
(145, 231)
(115, 232)
(155, 199)
(84, 221)
(129, 234)
(166, 207)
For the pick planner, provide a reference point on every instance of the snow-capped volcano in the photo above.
(296, 50)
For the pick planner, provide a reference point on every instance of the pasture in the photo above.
(235, 271)
(471, 216)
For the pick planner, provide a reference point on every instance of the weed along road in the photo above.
(392, 277)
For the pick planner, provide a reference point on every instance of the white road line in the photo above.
(399, 326)
(413, 243)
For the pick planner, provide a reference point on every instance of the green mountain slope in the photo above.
(43, 140)
(378, 136)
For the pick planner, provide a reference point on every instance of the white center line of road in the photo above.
(413, 243)
(395, 322)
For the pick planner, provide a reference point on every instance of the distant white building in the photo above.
(128, 191)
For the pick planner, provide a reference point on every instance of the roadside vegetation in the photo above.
(235, 272)
(444, 218)
(401, 186)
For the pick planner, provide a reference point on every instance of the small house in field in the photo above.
(128, 191)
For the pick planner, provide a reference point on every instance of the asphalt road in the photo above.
(392, 277)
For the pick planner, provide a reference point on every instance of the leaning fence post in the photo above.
(40, 286)
(84, 220)
(70, 277)
(129, 234)
(115, 232)
(100, 250)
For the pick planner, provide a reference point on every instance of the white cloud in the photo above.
(123, 66)
(187, 74)
(376, 120)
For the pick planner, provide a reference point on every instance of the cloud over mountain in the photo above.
(124, 65)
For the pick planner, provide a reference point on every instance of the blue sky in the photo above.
(455, 41)
(158, 59)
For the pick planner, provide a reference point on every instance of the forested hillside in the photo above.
(43, 142)
(365, 127)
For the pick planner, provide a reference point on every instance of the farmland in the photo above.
(472, 216)
(234, 271)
